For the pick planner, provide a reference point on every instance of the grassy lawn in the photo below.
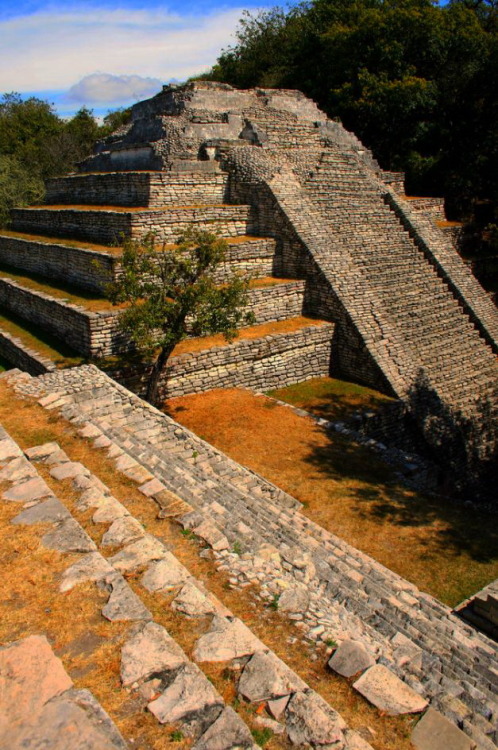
(447, 550)
(330, 398)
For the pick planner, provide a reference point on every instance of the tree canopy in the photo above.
(172, 293)
(417, 82)
(35, 144)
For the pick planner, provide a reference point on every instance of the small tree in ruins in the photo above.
(172, 293)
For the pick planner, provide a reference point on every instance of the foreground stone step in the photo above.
(151, 189)
(93, 267)
(109, 225)
(40, 707)
(182, 693)
(390, 608)
(158, 671)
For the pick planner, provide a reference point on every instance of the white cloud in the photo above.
(103, 87)
(52, 50)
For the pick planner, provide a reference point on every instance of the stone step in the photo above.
(42, 705)
(150, 651)
(262, 357)
(93, 267)
(95, 332)
(109, 225)
(151, 189)
(382, 605)
(153, 665)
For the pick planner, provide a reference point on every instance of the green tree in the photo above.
(172, 293)
(18, 186)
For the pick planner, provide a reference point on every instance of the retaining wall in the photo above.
(18, 355)
(151, 189)
(109, 227)
(260, 364)
(91, 334)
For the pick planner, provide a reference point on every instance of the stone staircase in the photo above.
(34, 264)
(333, 590)
(153, 666)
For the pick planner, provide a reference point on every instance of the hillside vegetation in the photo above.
(417, 82)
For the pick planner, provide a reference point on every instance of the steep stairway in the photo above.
(137, 573)
(332, 588)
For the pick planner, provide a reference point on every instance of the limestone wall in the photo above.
(89, 269)
(91, 334)
(269, 362)
(109, 227)
(94, 270)
(151, 189)
(18, 355)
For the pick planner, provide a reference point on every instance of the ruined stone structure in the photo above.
(389, 304)
(297, 196)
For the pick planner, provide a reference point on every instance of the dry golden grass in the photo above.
(58, 289)
(446, 550)
(29, 424)
(62, 241)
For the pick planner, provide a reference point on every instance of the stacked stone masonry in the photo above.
(348, 595)
(405, 307)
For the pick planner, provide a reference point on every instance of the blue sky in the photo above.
(106, 54)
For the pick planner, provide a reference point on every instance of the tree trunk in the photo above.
(153, 384)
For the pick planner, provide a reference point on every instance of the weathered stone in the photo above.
(30, 675)
(68, 536)
(9, 449)
(227, 732)
(294, 599)
(212, 536)
(51, 510)
(350, 658)
(150, 650)
(264, 721)
(83, 482)
(123, 531)
(123, 603)
(386, 691)
(406, 652)
(165, 574)
(137, 554)
(277, 706)
(193, 602)
(225, 640)
(39, 452)
(32, 489)
(91, 567)
(58, 457)
(109, 510)
(435, 732)
(266, 677)
(189, 693)
(61, 725)
(69, 470)
(89, 431)
(17, 469)
(354, 741)
(150, 488)
(310, 721)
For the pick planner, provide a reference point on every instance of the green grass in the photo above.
(331, 398)
(34, 337)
